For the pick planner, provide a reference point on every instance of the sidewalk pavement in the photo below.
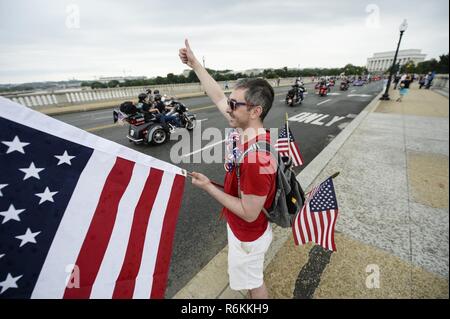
(392, 233)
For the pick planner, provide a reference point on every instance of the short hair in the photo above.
(258, 92)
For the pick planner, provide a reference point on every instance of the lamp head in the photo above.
(404, 26)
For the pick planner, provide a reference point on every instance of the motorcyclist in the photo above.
(160, 110)
(143, 105)
(299, 89)
(345, 82)
(150, 96)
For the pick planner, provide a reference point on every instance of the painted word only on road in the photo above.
(316, 118)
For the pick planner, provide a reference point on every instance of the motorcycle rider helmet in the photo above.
(149, 91)
(142, 97)
(157, 97)
(156, 92)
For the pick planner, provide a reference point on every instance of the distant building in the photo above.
(186, 72)
(121, 79)
(250, 71)
(382, 61)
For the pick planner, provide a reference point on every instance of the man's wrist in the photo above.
(196, 65)
(209, 187)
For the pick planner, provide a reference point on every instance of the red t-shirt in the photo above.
(258, 177)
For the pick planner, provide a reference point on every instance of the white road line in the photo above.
(202, 149)
(324, 102)
(359, 95)
(103, 117)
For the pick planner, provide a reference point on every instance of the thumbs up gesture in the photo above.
(187, 56)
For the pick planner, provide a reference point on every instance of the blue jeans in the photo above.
(169, 119)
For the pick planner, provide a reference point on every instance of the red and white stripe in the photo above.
(118, 230)
(317, 227)
(289, 149)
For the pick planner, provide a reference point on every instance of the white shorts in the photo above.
(246, 260)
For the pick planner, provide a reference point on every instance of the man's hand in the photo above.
(200, 180)
(187, 56)
(210, 86)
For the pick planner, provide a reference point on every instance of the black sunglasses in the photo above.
(233, 104)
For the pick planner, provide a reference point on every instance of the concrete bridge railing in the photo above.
(46, 100)
(441, 81)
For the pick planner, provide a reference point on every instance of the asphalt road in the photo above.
(200, 235)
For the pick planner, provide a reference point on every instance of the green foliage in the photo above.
(98, 85)
(440, 67)
(113, 84)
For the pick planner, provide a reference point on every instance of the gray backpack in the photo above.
(289, 195)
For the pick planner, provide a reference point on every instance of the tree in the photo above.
(113, 83)
(443, 64)
(192, 77)
(98, 85)
(409, 67)
(427, 66)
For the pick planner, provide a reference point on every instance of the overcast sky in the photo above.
(62, 39)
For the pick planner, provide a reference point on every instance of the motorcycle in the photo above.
(323, 90)
(187, 119)
(295, 95)
(145, 128)
(344, 86)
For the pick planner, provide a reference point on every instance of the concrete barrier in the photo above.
(63, 98)
(441, 81)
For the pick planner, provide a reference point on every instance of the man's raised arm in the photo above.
(211, 87)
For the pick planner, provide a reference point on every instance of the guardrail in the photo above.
(44, 100)
(440, 81)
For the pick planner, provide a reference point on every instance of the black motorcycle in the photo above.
(145, 128)
(344, 86)
(295, 95)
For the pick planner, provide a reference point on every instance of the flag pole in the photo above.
(214, 183)
(288, 136)
(335, 175)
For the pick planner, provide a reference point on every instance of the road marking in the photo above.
(334, 93)
(352, 91)
(202, 149)
(324, 102)
(315, 118)
(98, 128)
(202, 108)
(360, 95)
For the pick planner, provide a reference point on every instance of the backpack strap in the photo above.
(261, 146)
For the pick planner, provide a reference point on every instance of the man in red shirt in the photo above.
(249, 232)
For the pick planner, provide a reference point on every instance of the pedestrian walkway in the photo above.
(392, 233)
(393, 228)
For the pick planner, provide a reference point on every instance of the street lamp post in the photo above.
(403, 28)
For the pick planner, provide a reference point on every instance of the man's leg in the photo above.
(259, 293)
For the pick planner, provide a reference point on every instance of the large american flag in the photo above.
(316, 220)
(287, 147)
(81, 216)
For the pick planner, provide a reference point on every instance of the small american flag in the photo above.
(81, 216)
(316, 220)
(287, 147)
